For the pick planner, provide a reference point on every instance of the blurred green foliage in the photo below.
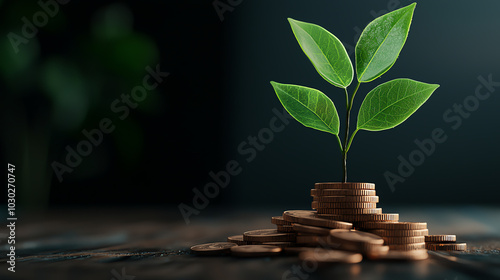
(61, 91)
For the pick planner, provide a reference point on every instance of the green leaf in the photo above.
(381, 42)
(310, 107)
(391, 103)
(325, 51)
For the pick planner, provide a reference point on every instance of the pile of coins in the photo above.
(444, 243)
(344, 225)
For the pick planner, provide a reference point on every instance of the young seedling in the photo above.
(377, 49)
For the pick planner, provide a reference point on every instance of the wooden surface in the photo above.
(153, 244)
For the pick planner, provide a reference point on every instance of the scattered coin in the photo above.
(407, 247)
(216, 248)
(376, 250)
(268, 235)
(311, 229)
(255, 251)
(312, 240)
(366, 217)
(293, 216)
(354, 236)
(413, 255)
(285, 228)
(441, 238)
(355, 240)
(358, 186)
(282, 245)
(401, 232)
(328, 212)
(296, 250)
(323, 256)
(278, 220)
(369, 199)
(311, 219)
(237, 239)
(335, 192)
(404, 239)
(398, 225)
(446, 246)
(319, 205)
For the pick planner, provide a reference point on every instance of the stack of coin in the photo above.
(402, 236)
(281, 224)
(444, 243)
(350, 202)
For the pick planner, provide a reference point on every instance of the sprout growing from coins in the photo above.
(377, 49)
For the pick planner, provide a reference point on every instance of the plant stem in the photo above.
(346, 139)
(350, 140)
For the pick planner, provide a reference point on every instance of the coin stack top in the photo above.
(351, 202)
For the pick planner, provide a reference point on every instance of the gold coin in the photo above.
(255, 251)
(413, 255)
(292, 216)
(296, 250)
(397, 225)
(371, 199)
(237, 239)
(365, 217)
(321, 205)
(440, 238)
(278, 220)
(216, 248)
(346, 192)
(312, 240)
(285, 228)
(404, 239)
(268, 235)
(357, 186)
(357, 241)
(360, 248)
(311, 229)
(407, 247)
(377, 250)
(310, 218)
(446, 246)
(400, 232)
(354, 236)
(330, 212)
(282, 245)
(324, 256)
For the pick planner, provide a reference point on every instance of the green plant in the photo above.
(377, 49)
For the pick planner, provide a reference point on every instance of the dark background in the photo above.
(218, 94)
